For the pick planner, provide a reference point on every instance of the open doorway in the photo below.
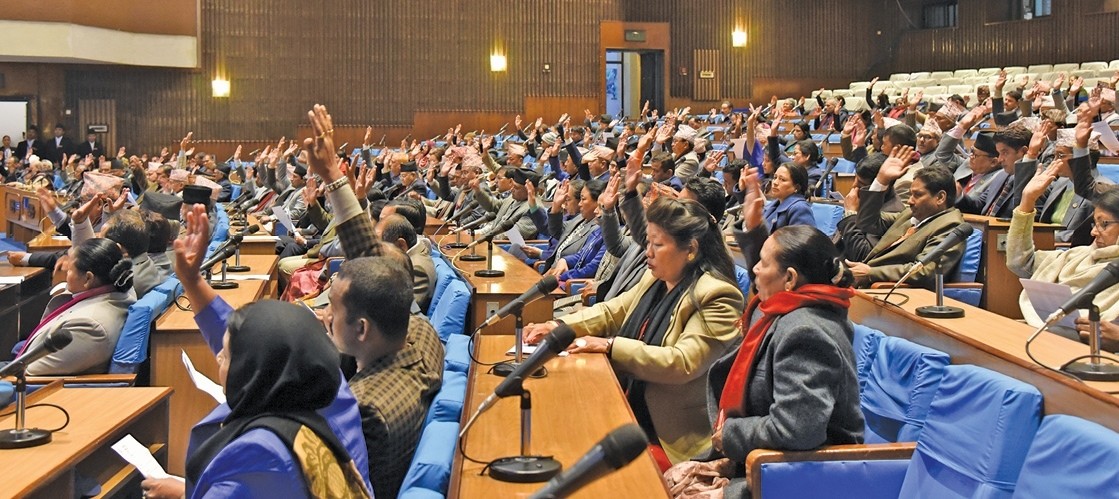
(633, 77)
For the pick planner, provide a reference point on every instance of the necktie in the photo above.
(1004, 193)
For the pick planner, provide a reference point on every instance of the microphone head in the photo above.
(624, 445)
(964, 230)
(559, 339)
(547, 284)
(251, 229)
(58, 340)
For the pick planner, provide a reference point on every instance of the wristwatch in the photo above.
(337, 184)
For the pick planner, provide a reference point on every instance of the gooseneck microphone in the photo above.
(610, 454)
(541, 289)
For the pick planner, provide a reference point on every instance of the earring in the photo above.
(691, 257)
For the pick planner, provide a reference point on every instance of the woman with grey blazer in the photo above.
(791, 384)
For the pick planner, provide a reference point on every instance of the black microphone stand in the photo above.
(525, 468)
(1093, 369)
(236, 267)
(473, 256)
(21, 437)
(458, 244)
(505, 368)
(489, 271)
(940, 310)
(223, 283)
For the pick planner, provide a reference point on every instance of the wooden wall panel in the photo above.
(1076, 32)
(178, 17)
(371, 63)
(707, 64)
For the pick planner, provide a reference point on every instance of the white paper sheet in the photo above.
(514, 237)
(246, 277)
(1107, 136)
(262, 238)
(528, 350)
(11, 279)
(137, 455)
(283, 217)
(203, 383)
(1047, 297)
(739, 147)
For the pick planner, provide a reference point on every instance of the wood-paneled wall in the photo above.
(370, 62)
(1076, 32)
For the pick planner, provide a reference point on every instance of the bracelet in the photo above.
(337, 184)
(609, 346)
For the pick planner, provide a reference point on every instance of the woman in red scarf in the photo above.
(791, 385)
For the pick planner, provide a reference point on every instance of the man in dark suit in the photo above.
(90, 146)
(30, 145)
(58, 145)
(913, 233)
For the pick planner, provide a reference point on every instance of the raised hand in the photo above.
(46, 199)
(118, 203)
(754, 202)
(310, 192)
(712, 162)
(1059, 81)
(237, 153)
(367, 140)
(321, 158)
(896, 165)
(1000, 82)
(560, 197)
(186, 141)
(849, 126)
(190, 248)
(873, 81)
(633, 172)
(1040, 138)
(81, 214)
(664, 133)
(609, 197)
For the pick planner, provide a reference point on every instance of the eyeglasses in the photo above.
(1103, 224)
(977, 155)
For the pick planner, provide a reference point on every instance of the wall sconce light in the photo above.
(498, 64)
(738, 38)
(220, 87)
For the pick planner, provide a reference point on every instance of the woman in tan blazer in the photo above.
(663, 334)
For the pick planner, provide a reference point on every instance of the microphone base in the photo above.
(504, 369)
(472, 258)
(525, 469)
(237, 268)
(224, 285)
(22, 439)
(455, 246)
(940, 312)
(1092, 372)
(489, 272)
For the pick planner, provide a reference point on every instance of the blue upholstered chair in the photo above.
(901, 381)
(865, 342)
(449, 317)
(827, 217)
(431, 464)
(1070, 457)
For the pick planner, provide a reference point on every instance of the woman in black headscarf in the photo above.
(278, 367)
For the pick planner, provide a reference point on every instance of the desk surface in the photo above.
(990, 340)
(574, 407)
(96, 417)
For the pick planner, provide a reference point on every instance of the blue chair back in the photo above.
(1070, 457)
(450, 316)
(235, 191)
(967, 270)
(444, 274)
(1109, 171)
(827, 217)
(742, 277)
(221, 230)
(132, 345)
(431, 464)
(901, 382)
(844, 166)
(865, 342)
(976, 437)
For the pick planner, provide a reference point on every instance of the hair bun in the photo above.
(122, 274)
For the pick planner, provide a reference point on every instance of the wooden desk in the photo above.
(574, 407)
(992, 341)
(1001, 286)
(436, 226)
(491, 293)
(175, 332)
(844, 182)
(22, 305)
(99, 417)
(22, 213)
(48, 241)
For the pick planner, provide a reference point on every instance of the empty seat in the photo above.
(1105, 74)
(903, 84)
(1113, 65)
(926, 82)
(975, 81)
(901, 381)
(859, 86)
(961, 90)
(1040, 68)
(920, 75)
(1092, 66)
(965, 73)
(1071, 66)
(450, 316)
(1070, 457)
(940, 75)
(979, 428)
(988, 71)
(1050, 76)
(1013, 70)
(899, 77)
(936, 90)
